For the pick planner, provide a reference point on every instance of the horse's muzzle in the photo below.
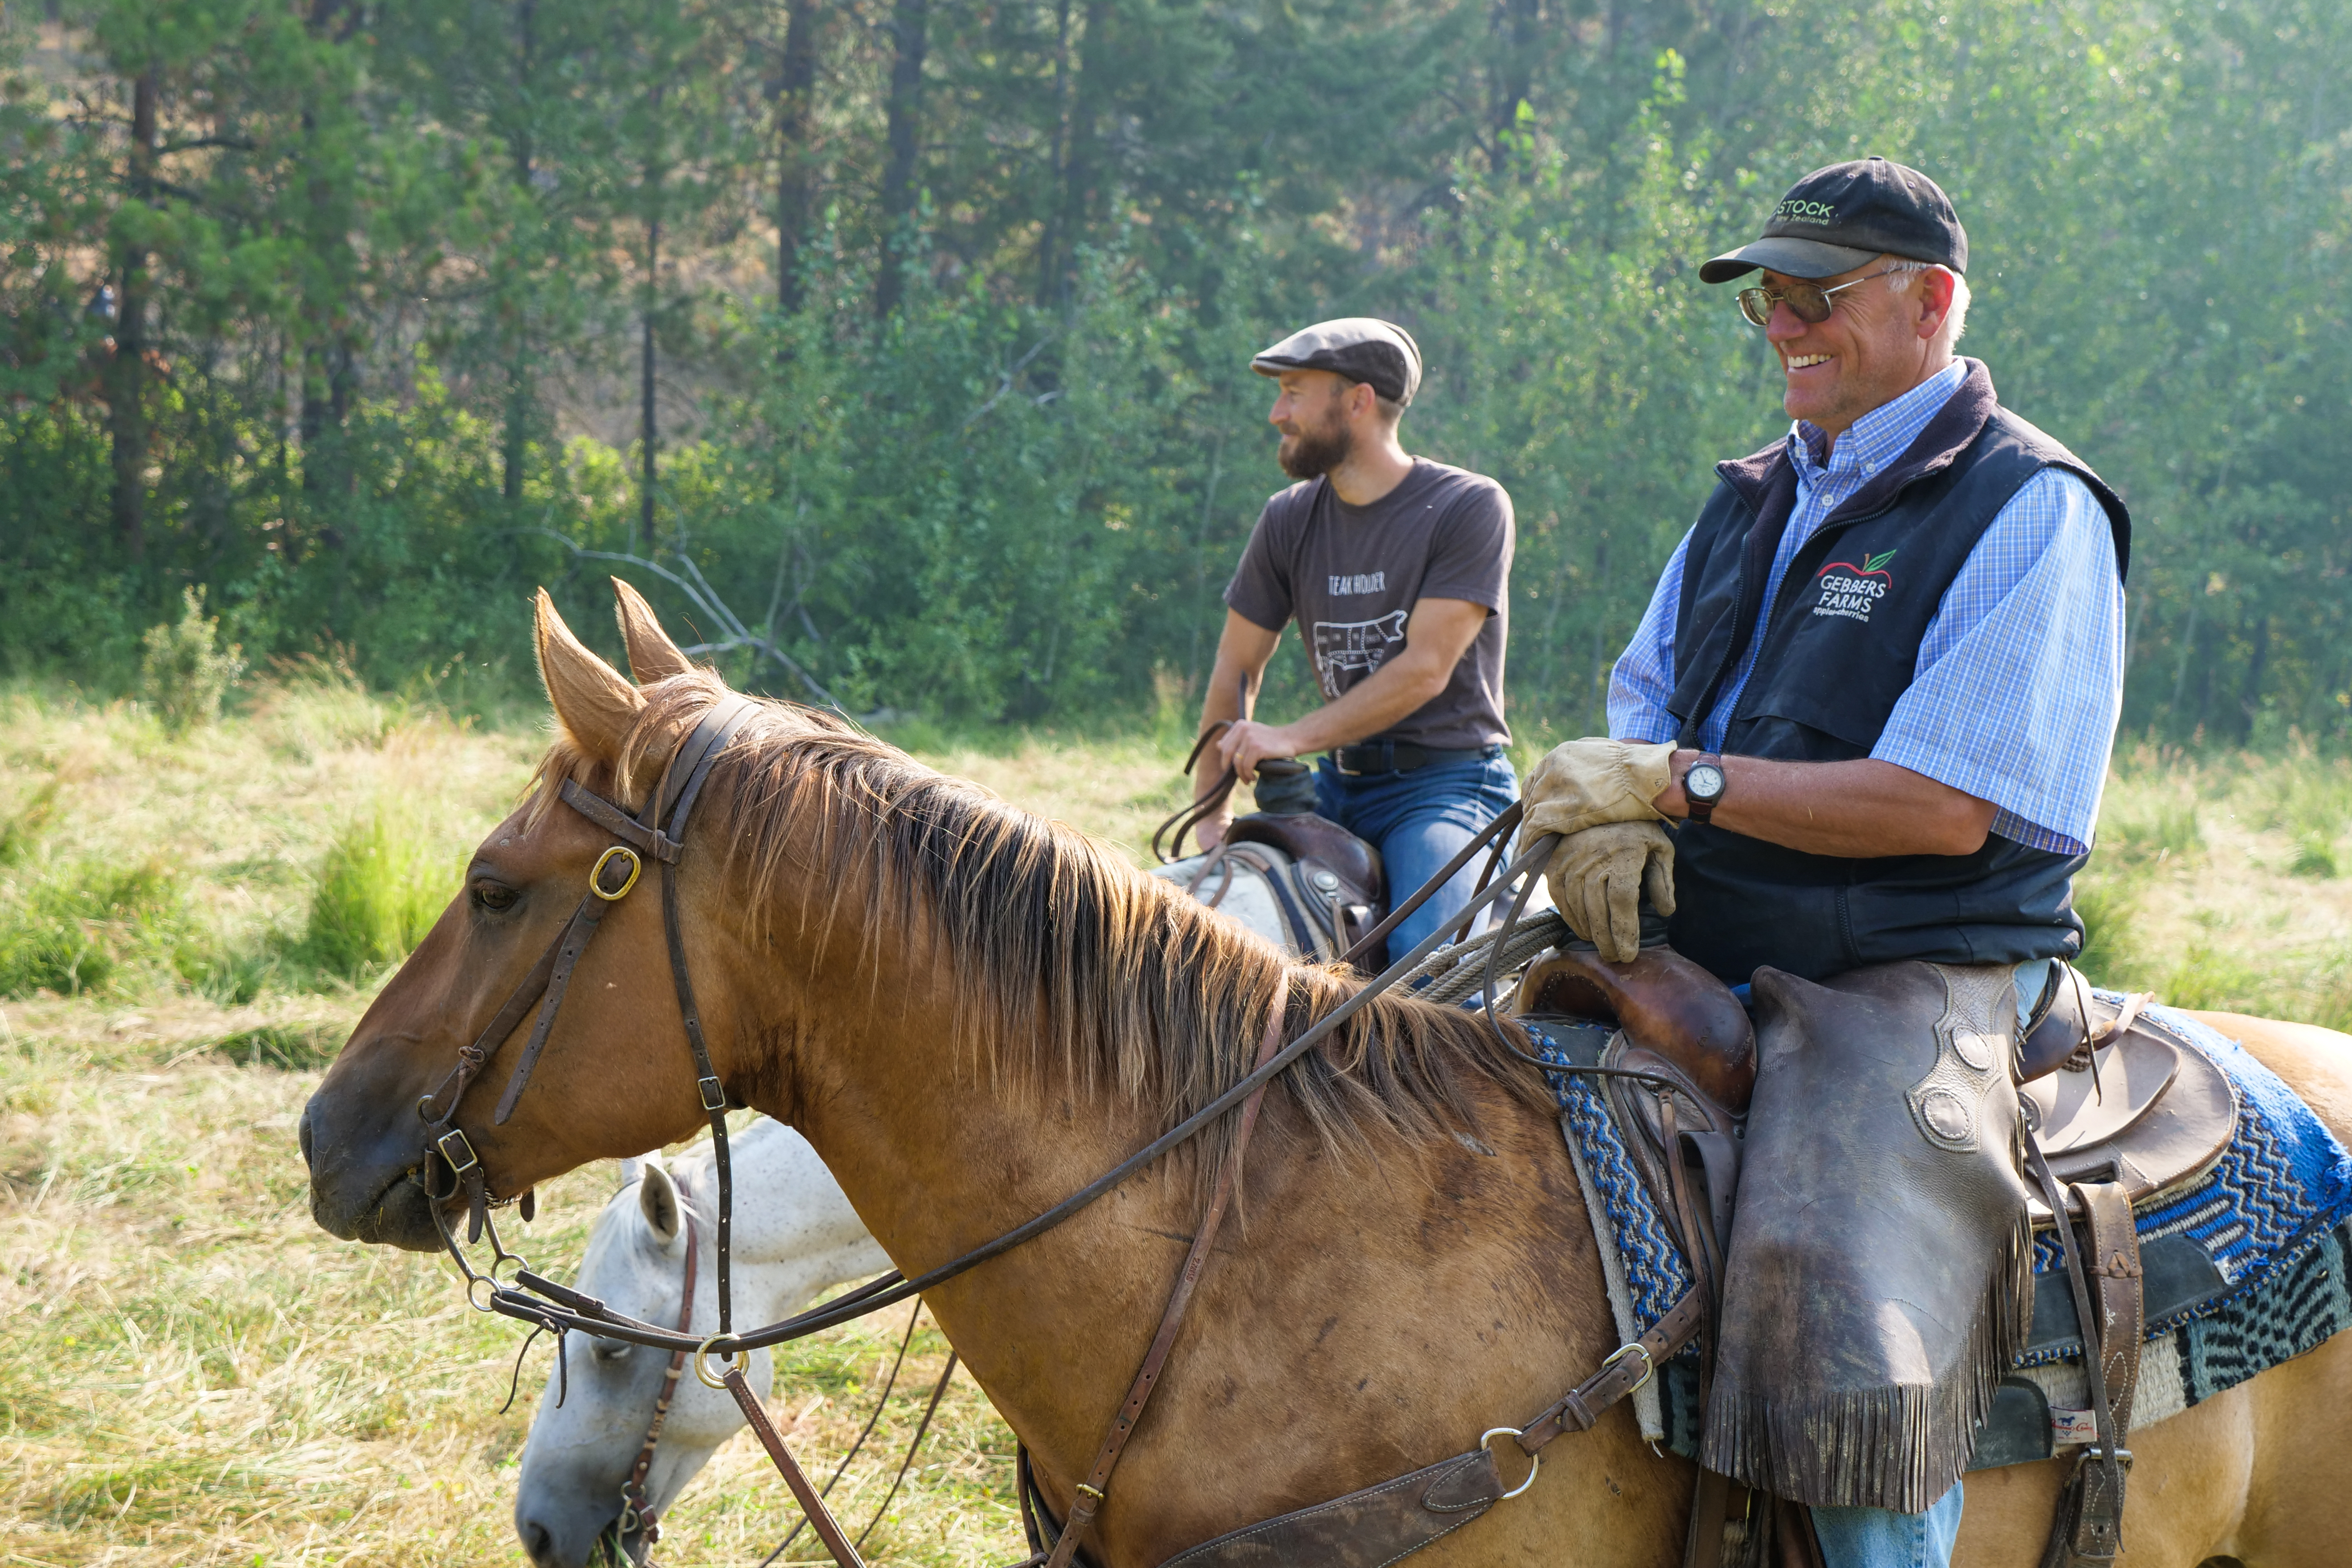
(363, 1188)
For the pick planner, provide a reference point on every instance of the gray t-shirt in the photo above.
(1351, 575)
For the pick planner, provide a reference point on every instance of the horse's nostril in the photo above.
(302, 1136)
(537, 1540)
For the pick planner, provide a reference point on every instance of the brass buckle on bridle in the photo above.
(457, 1135)
(596, 877)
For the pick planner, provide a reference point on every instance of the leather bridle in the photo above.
(659, 831)
(637, 1513)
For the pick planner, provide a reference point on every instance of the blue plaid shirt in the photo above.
(2019, 680)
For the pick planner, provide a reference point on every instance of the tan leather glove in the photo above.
(1597, 878)
(1582, 784)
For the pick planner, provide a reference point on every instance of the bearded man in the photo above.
(1398, 572)
(1876, 687)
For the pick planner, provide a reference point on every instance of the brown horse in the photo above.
(972, 1012)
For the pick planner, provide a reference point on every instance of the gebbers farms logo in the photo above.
(1804, 212)
(1850, 590)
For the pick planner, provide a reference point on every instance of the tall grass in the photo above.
(381, 887)
(2215, 884)
(95, 927)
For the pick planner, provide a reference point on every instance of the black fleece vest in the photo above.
(1841, 648)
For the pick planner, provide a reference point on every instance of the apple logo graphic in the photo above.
(1849, 591)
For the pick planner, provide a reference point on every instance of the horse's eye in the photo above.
(613, 1349)
(493, 896)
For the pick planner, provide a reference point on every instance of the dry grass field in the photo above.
(192, 1374)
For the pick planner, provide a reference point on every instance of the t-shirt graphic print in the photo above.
(1351, 576)
(1347, 651)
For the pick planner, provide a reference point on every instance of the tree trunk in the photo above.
(126, 369)
(2250, 694)
(650, 431)
(908, 23)
(515, 440)
(1512, 76)
(1075, 196)
(795, 93)
(1049, 266)
(330, 355)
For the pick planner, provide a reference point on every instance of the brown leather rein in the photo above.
(659, 831)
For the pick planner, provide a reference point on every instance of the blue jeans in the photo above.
(1419, 821)
(1880, 1538)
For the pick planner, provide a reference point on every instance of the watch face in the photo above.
(1704, 782)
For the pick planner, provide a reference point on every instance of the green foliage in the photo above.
(2170, 830)
(95, 926)
(22, 827)
(184, 671)
(380, 890)
(293, 1048)
(2315, 856)
(2110, 944)
(366, 268)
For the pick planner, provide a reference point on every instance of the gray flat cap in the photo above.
(1361, 348)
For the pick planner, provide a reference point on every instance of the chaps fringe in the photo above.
(1900, 1446)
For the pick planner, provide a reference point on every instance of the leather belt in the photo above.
(1402, 757)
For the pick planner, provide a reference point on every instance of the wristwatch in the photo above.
(1703, 785)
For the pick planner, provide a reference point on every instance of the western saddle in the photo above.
(2116, 1110)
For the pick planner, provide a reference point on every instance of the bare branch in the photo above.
(1005, 386)
(706, 598)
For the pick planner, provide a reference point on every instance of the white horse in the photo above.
(795, 1235)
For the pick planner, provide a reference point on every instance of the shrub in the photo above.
(184, 671)
(2315, 856)
(22, 826)
(96, 927)
(379, 892)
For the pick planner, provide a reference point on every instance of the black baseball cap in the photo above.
(1836, 219)
(1361, 348)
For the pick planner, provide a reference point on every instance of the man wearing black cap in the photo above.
(1877, 686)
(1397, 572)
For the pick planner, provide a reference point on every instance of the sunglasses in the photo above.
(1811, 301)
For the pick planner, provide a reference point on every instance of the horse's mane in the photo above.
(1068, 966)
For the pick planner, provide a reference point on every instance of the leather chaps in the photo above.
(1879, 1278)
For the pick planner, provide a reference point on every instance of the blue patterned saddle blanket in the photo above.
(2245, 1265)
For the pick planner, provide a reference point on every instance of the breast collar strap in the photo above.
(450, 1164)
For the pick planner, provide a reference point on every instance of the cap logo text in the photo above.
(1804, 212)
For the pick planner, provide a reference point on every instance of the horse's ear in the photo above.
(592, 703)
(652, 656)
(658, 1198)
